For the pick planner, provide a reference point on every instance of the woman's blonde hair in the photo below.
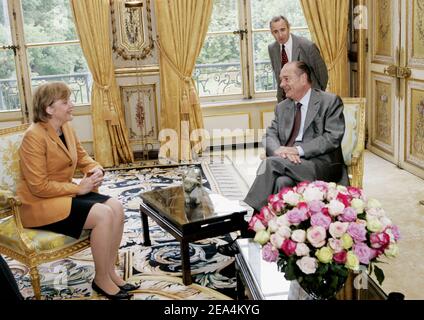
(45, 95)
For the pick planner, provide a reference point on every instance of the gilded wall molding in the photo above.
(132, 30)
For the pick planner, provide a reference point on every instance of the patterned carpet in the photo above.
(157, 268)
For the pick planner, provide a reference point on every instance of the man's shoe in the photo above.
(129, 287)
(121, 295)
(229, 249)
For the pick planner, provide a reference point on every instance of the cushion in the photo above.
(42, 240)
(350, 138)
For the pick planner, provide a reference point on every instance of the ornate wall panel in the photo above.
(415, 43)
(415, 124)
(383, 119)
(383, 31)
(132, 30)
(140, 103)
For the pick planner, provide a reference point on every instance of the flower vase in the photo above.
(325, 289)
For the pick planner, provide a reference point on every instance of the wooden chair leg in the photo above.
(35, 281)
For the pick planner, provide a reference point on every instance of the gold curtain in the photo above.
(181, 27)
(111, 143)
(328, 22)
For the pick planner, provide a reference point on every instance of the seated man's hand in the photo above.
(290, 153)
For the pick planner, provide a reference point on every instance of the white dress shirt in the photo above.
(288, 46)
(304, 108)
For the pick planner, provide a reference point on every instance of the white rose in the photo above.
(302, 250)
(375, 212)
(258, 226)
(291, 198)
(282, 220)
(332, 194)
(335, 207)
(307, 265)
(276, 240)
(374, 225)
(273, 225)
(337, 229)
(336, 244)
(392, 250)
(341, 189)
(358, 205)
(284, 232)
(298, 235)
(332, 185)
(316, 236)
(312, 193)
(373, 203)
(385, 222)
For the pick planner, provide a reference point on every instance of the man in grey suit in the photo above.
(304, 140)
(295, 49)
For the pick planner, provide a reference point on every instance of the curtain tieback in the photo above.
(189, 95)
(339, 55)
(109, 113)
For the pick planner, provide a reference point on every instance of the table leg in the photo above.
(185, 261)
(145, 224)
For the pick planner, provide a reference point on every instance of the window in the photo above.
(47, 48)
(234, 60)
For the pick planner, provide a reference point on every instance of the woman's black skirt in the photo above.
(73, 224)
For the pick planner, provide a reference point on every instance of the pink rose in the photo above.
(278, 206)
(337, 229)
(269, 253)
(316, 235)
(322, 185)
(320, 219)
(344, 198)
(340, 257)
(301, 186)
(316, 206)
(395, 232)
(283, 192)
(288, 247)
(296, 216)
(379, 240)
(307, 265)
(256, 224)
(357, 231)
(349, 215)
(354, 192)
(363, 252)
(267, 215)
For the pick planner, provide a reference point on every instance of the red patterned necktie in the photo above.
(284, 58)
(296, 126)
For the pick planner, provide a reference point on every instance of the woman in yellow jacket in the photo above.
(49, 154)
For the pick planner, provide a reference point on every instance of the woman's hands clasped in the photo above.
(91, 180)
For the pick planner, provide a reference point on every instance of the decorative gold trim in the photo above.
(262, 116)
(22, 127)
(121, 46)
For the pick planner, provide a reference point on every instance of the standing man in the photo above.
(304, 140)
(289, 47)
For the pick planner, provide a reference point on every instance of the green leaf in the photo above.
(379, 274)
(290, 270)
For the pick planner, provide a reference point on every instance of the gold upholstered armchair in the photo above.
(353, 143)
(29, 246)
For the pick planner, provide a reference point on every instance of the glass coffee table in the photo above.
(261, 280)
(213, 216)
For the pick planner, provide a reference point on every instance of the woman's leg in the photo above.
(116, 237)
(100, 220)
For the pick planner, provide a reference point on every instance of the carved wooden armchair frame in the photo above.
(29, 246)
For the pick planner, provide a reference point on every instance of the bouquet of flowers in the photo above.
(317, 232)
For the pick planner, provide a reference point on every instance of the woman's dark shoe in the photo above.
(121, 295)
(129, 287)
(229, 249)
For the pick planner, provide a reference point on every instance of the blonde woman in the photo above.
(49, 155)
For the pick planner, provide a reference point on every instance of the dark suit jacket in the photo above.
(322, 136)
(303, 50)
